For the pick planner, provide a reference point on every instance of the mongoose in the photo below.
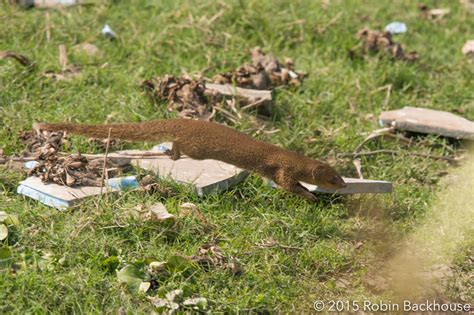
(206, 140)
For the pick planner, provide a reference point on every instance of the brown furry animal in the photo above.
(206, 140)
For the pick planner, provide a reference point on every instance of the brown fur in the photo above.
(206, 140)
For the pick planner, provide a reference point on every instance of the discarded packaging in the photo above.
(428, 121)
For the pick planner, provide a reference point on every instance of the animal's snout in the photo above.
(338, 182)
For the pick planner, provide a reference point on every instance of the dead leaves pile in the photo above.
(263, 73)
(42, 144)
(376, 42)
(190, 98)
(184, 95)
(72, 170)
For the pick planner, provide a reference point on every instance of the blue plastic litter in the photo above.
(396, 28)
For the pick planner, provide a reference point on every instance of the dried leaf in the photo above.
(144, 286)
(3, 232)
(198, 303)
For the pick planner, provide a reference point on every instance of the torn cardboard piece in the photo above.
(61, 197)
(428, 121)
(205, 176)
(354, 186)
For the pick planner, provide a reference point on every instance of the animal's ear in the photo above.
(316, 171)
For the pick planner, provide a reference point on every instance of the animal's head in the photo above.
(324, 176)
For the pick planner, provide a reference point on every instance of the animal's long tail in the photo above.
(146, 131)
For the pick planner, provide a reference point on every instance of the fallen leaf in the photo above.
(131, 276)
(198, 303)
(162, 305)
(3, 216)
(3, 232)
(175, 295)
(144, 286)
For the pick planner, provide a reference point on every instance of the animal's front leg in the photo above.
(174, 153)
(287, 182)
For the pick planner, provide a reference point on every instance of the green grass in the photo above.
(172, 37)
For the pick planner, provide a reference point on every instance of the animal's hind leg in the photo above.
(174, 153)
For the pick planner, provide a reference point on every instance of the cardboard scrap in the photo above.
(354, 186)
(429, 121)
(61, 197)
(205, 176)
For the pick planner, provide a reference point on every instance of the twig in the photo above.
(426, 155)
(382, 133)
(254, 104)
(389, 132)
(105, 164)
(227, 114)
